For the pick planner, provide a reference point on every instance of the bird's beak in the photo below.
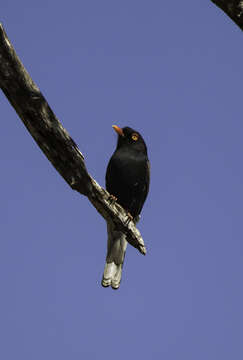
(118, 130)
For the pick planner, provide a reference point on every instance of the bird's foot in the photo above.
(112, 199)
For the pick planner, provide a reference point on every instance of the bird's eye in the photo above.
(135, 137)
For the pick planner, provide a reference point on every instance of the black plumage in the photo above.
(128, 173)
(127, 179)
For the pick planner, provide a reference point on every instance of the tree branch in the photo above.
(54, 140)
(233, 8)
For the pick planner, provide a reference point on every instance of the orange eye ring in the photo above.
(135, 137)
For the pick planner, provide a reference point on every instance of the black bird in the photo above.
(127, 180)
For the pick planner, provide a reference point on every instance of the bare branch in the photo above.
(54, 140)
(233, 8)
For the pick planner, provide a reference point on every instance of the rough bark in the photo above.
(233, 8)
(54, 140)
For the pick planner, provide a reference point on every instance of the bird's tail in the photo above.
(116, 249)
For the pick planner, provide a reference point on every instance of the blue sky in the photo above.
(173, 71)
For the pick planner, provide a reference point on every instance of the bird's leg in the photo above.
(129, 218)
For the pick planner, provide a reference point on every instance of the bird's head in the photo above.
(128, 137)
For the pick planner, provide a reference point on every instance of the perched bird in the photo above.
(127, 180)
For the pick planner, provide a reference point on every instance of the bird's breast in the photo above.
(127, 179)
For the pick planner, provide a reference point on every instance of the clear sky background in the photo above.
(173, 71)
